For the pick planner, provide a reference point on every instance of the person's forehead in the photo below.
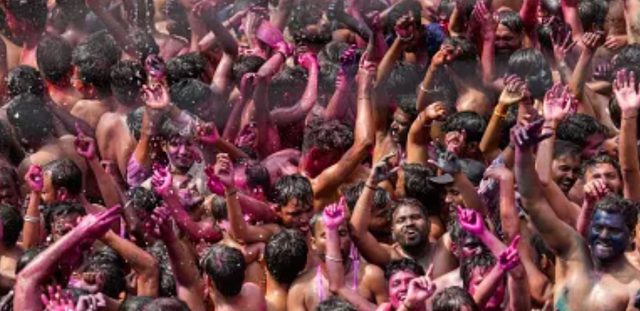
(608, 218)
(407, 210)
(403, 275)
(602, 168)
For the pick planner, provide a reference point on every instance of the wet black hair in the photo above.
(467, 64)
(401, 265)
(94, 58)
(628, 58)
(59, 209)
(28, 113)
(10, 174)
(143, 43)
(484, 261)
(290, 187)
(530, 65)
(108, 262)
(219, 208)
(550, 6)
(331, 52)
(186, 66)
(381, 198)
(167, 282)
(134, 303)
(244, 65)
(327, 78)
(258, 175)
(453, 298)
(225, 267)
(24, 79)
(170, 129)
(65, 173)
(127, 79)
(578, 128)
(593, 14)
(166, 304)
(335, 304)
(407, 104)
(134, 122)
(73, 11)
(143, 199)
(562, 148)
(12, 224)
(418, 186)
(303, 14)
(54, 59)
(613, 203)
(327, 136)
(286, 256)
(512, 20)
(33, 11)
(291, 81)
(411, 7)
(597, 160)
(190, 94)
(404, 79)
(471, 122)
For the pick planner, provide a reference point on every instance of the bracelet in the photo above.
(370, 187)
(405, 39)
(331, 258)
(32, 219)
(422, 88)
(230, 193)
(501, 115)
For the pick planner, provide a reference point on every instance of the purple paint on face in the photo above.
(608, 236)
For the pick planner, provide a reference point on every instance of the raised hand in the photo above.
(96, 225)
(471, 221)
(515, 90)
(483, 16)
(447, 161)
(595, 190)
(615, 43)
(445, 55)
(624, 87)
(436, 111)
(593, 40)
(56, 300)
(558, 103)
(34, 178)
(85, 145)
(155, 67)
(528, 136)
(207, 133)
(308, 60)
(348, 66)
(498, 172)
(163, 224)
(509, 258)
(454, 141)
(205, 9)
(213, 182)
(420, 289)
(562, 44)
(272, 36)
(406, 28)
(156, 97)
(162, 180)
(93, 282)
(224, 169)
(334, 214)
(383, 170)
(91, 302)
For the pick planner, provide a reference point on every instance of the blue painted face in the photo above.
(608, 236)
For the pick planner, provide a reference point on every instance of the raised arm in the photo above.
(473, 222)
(442, 57)
(507, 260)
(591, 42)
(341, 99)
(86, 147)
(489, 23)
(208, 136)
(299, 111)
(33, 223)
(281, 14)
(269, 141)
(420, 133)
(593, 192)
(559, 236)
(629, 101)
(351, 21)
(113, 26)
(572, 18)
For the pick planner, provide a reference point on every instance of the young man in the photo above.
(24, 23)
(285, 256)
(54, 62)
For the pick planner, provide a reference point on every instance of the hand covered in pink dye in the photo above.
(471, 221)
(213, 182)
(509, 258)
(162, 180)
(207, 133)
(308, 61)
(163, 222)
(334, 214)
(224, 169)
(85, 145)
(56, 300)
(34, 178)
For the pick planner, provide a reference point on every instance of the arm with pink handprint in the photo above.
(189, 287)
(206, 230)
(288, 115)
(30, 280)
(508, 259)
(420, 133)
(339, 103)
(333, 217)
(33, 224)
(624, 87)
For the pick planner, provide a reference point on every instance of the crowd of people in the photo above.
(327, 155)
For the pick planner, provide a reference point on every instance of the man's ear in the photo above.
(62, 194)
(313, 243)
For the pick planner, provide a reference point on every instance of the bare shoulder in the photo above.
(303, 280)
(373, 273)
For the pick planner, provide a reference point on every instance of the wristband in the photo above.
(501, 115)
(405, 39)
(32, 219)
(331, 258)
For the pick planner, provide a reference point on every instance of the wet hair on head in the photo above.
(598, 160)
(471, 122)
(225, 267)
(530, 65)
(8, 173)
(170, 130)
(258, 175)
(24, 79)
(12, 224)
(381, 198)
(54, 59)
(407, 104)
(94, 58)
(108, 262)
(65, 173)
(327, 136)
(143, 199)
(166, 304)
(127, 79)
(453, 298)
(286, 256)
(578, 128)
(550, 6)
(34, 12)
(404, 79)
(411, 7)
(473, 169)
(60, 209)
(541, 248)
(466, 64)
(593, 14)
(291, 187)
(134, 122)
(28, 113)
(327, 78)
(512, 20)
(290, 81)
(335, 304)
(615, 204)
(482, 261)
(190, 95)
(134, 303)
(331, 52)
(219, 208)
(417, 186)
(306, 13)
(402, 265)
(143, 43)
(628, 58)
(73, 11)
(186, 66)
(167, 282)
(244, 65)
(562, 148)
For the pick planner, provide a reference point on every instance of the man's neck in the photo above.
(274, 287)
(417, 252)
(614, 266)
(32, 40)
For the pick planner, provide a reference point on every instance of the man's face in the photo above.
(410, 228)
(49, 193)
(319, 240)
(399, 287)
(507, 41)
(181, 152)
(594, 142)
(452, 198)
(296, 215)
(608, 236)
(565, 171)
(63, 224)
(477, 276)
(187, 191)
(400, 127)
(470, 246)
(607, 173)
(9, 192)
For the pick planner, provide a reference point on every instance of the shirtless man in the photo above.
(93, 60)
(54, 62)
(593, 274)
(127, 78)
(10, 252)
(285, 256)
(26, 23)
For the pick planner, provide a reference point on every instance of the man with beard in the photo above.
(594, 274)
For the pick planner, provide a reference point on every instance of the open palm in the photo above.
(624, 87)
